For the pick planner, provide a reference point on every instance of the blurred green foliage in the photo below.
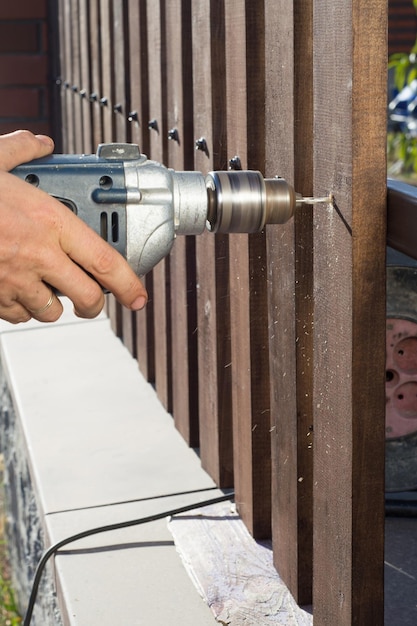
(402, 146)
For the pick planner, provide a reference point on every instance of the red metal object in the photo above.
(401, 378)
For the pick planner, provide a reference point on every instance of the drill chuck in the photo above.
(243, 201)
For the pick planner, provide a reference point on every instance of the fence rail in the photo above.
(269, 350)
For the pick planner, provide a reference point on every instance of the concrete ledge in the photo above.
(87, 443)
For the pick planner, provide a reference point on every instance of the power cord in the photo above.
(101, 529)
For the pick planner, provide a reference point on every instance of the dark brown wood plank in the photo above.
(85, 82)
(65, 19)
(76, 76)
(121, 88)
(95, 90)
(349, 318)
(107, 69)
(245, 71)
(214, 358)
(182, 258)
(139, 116)
(289, 154)
(120, 106)
(138, 68)
(158, 152)
(106, 99)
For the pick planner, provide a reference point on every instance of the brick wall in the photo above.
(26, 75)
(402, 28)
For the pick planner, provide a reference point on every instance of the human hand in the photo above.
(43, 245)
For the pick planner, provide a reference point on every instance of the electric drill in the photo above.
(139, 205)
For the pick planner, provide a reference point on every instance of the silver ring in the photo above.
(43, 308)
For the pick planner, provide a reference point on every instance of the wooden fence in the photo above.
(268, 350)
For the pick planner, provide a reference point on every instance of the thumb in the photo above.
(22, 146)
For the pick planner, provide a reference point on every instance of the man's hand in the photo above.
(43, 245)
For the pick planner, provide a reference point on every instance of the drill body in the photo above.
(139, 206)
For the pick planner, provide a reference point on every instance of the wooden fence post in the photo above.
(350, 74)
(214, 362)
(139, 116)
(158, 151)
(245, 89)
(182, 259)
(288, 147)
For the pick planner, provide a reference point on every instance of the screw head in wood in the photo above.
(201, 144)
(173, 135)
(153, 125)
(235, 163)
(133, 116)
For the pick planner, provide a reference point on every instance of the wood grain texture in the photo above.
(156, 27)
(233, 573)
(66, 66)
(95, 72)
(106, 99)
(139, 134)
(85, 82)
(245, 74)
(120, 106)
(75, 79)
(289, 154)
(349, 319)
(182, 258)
(304, 299)
(214, 357)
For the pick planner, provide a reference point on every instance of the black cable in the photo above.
(132, 501)
(101, 529)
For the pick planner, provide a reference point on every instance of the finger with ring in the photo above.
(44, 308)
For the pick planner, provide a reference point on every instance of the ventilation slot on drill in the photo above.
(114, 227)
(113, 234)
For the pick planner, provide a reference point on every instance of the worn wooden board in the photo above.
(95, 72)
(119, 109)
(349, 317)
(182, 258)
(214, 360)
(233, 573)
(139, 134)
(156, 29)
(66, 69)
(245, 88)
(289, 154)
(85, 72)
(75, 80)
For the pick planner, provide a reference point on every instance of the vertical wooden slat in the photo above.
(349, 329)
(121, 60)
(214, 358)
(106, 101)
(158, 152)
(120, 104)
(76, 76)
(139, 110)
(304, 300)
(85, 82)
(245, 72)
(107, 59)
(95, 89)
(68, 135)
(290, 316)
(182, 258)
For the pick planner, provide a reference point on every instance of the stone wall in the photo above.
(25, 535)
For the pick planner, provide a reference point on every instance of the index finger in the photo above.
(86, 248)
(22, 146)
